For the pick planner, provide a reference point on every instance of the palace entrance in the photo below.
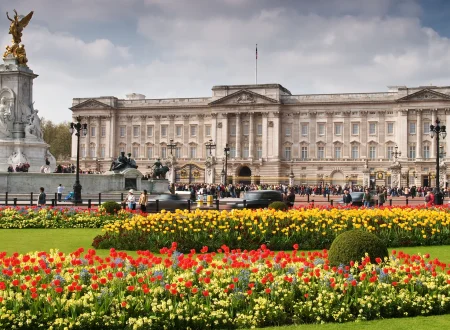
(244, 175)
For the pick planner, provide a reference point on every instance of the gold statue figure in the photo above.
(15, 29)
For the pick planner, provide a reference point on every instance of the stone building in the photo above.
(273, 135)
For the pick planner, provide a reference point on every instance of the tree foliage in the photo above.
(58, 137)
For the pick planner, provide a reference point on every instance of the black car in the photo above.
(257, 199)
(167, 202)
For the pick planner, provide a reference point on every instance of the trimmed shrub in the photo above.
(278, 206)
(353, 245)
(111, 207)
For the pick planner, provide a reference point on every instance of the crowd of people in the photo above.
(21, 167)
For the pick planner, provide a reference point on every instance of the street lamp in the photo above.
(77, 128)
(226, 151)
(396, 153)
(438, 131)
(210, 146)
(171, 146)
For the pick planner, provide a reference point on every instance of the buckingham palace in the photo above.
(272, 136)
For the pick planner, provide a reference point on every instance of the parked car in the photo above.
(257, 199)
(357, 199)
(167, 202)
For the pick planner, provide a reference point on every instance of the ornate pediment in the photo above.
(90, 104)
(244, 97)
(425, 95)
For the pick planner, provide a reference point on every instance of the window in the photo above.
(122, 131)
(136, 131)
(135, 151)
(390, 128)
(163, 130)
(232, 152)
(304, 153)
(355, 152)
(338, 129)
(287, 153)
(193, 130)
(208, 130)
(83, 150)
(412, 127)
(93, 131)
(337, 152)
(304, 129)
(321, 129)
(103, 133)
(233, 130)
(355, 129)
(92, 151)
(389, 151)
(149, 130)
(259, 129)
(412, 151)
(121, 148)
(426, 127)
(149, 152)
(426, 151)
(258, 151)
(245, 152)
(193, 152)
(163, 152)
(372, 128)
(245, 130)
(321, 152)
(178, 152)
(372, 152)
(288, 130)
(179, 130)
(102, 151)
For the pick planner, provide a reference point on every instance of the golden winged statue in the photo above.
(18, 23)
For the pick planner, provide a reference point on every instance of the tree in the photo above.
(59, 139)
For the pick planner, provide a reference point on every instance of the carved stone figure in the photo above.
(18, 23)
(245, 98)
(5, 117)
(33, 129)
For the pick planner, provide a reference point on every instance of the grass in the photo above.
(68, 240)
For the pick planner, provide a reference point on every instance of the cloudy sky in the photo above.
(181, 48)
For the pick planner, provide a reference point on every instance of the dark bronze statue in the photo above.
(123, 162)
(159, 170)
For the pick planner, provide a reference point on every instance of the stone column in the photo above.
(157, 134)
(296, 136)
(129, 133)
(381, 135)
(88, 137)
(402, 132)
(312, 134)
(214, 131)
(97, 136)
(419, 136)
(276, 135)
(201, 137)
(346, 134)
(329, 136)
(251, 145)
(186, 135)
(238, 136)
(433, 141)
(143, 136)
(112, 136)
(447, 143)
(363, 134)
(171, 128)
(265, 128)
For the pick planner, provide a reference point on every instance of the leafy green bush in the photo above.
(111, 207)
(278, 206)
(353, 245)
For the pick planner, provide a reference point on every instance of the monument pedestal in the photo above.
(156, 186)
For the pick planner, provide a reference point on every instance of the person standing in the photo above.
(131, 200)
(346, 198)
(381, 197)
(42, 199)
(143, 200)
(60, 190)
(366, 198)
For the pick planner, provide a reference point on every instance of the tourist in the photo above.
(59, 191)
(346, 198)
(143, 200)
(131, 200)
(367, 197)
(42, 199)
(382, 197)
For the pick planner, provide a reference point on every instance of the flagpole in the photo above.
(256, 66)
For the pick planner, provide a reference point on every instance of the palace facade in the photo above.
(273, 136)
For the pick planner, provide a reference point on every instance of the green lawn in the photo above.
(68, 240)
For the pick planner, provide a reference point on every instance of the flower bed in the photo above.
(232, 289)
(59, 217)
(313, 228)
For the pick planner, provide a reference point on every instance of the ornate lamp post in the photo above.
(440, 132)
(226, 151)
(210, 146)
(171, 146)
(78, 128)
(396, 153)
